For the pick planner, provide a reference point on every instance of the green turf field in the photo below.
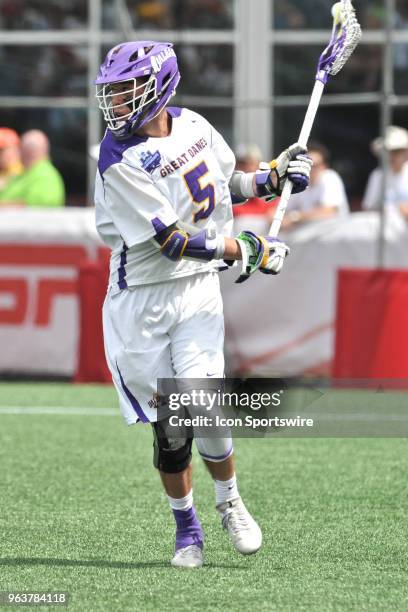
(82, 511)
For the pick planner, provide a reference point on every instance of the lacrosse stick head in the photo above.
(345, 37)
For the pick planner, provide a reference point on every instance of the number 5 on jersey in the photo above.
(200, 193)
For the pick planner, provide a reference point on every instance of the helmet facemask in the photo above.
(137, 97)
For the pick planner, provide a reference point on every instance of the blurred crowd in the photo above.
(28, 177)
(155, 14)
(36, 71)
(326, 196)
(207, 70)
(304, 14)
(179, 14)
(40, 15)
(211, 14)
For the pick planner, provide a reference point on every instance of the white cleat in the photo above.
(242, 528)
(189, 557)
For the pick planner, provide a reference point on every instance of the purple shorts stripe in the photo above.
(220, 457)
(135, 404)
(122, 270)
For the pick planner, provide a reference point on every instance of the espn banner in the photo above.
(280, 325)
(40, 254)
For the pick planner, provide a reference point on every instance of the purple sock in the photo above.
(188, 529)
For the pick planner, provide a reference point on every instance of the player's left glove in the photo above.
(263, 253)
(293, 164)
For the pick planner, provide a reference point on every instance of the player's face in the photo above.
(122, 97)
(124, 94)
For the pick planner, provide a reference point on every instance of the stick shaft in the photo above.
(303, 139)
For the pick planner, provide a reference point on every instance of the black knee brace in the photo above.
(171, 455)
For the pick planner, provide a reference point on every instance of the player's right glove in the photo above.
(293, 164)
(263, 253)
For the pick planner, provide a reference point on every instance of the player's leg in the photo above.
(235, 518)
(138, 354)
(172, 457)
(197, 352)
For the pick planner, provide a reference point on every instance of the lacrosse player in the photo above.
(164, 191)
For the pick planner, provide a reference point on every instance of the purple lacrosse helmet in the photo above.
(150, 69)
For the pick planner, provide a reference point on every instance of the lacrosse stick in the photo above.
(345, 37)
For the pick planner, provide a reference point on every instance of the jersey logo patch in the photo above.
(150, 161)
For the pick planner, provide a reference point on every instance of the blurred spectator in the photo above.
(206, 69)
(396, 142)
(373, 17)
(324, 198)
(173, 14)
(10, 159)
(255, 214)
(40, 15)
(289, 17)
(211, 14)
(153, 14)
(40, 184)
(27, 70)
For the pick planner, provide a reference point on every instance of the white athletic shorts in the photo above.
(163, 330)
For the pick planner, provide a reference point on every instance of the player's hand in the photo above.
(263, 253)
(294, 164)
(278, 251)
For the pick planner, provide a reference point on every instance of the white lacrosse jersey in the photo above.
(145, 184)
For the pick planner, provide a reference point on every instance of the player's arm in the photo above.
(268, 182)
(262, 253)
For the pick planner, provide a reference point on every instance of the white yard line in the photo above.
(60, 410)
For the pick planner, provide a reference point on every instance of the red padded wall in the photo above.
(93, 281)
(372, 324)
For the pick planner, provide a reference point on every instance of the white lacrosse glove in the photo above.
(263, 253)
(292, 164)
